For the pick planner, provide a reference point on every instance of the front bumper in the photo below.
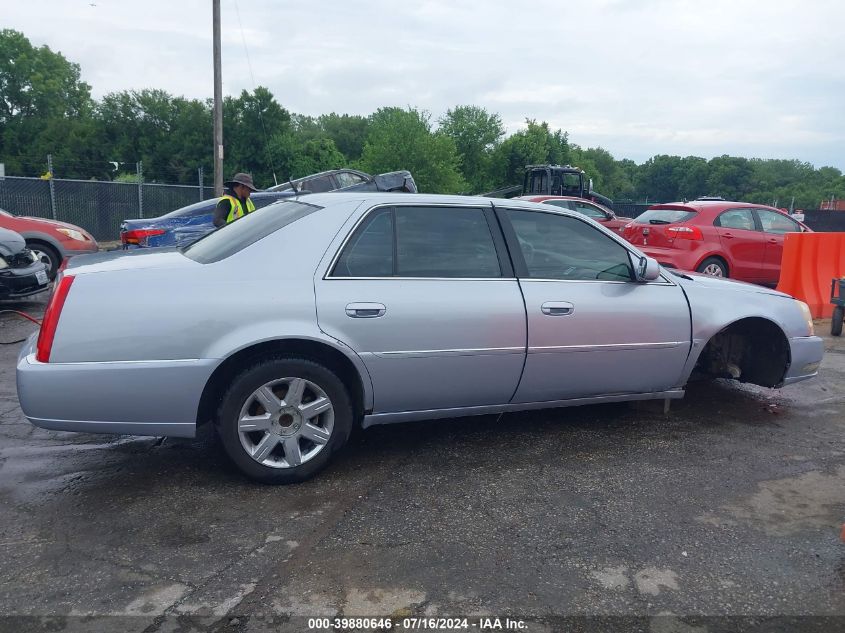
(158, 397)
(806, 353)
(23, 282)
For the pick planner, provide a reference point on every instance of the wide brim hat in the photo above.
(241, 179)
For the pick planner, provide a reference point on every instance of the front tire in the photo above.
(283, 419)
(713, 266)
(48, 256)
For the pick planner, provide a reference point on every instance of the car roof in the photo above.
(370, 197)
(711, 205)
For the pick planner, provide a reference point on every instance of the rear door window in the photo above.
(741, 219)
(430, 242)
(590, 211)
(561, 204)
(369, 252)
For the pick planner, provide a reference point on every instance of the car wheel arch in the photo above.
(714, 255)
(320, 352)
(752, 349)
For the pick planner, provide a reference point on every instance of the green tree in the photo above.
(38, 88)
(403, 139)
(348, 131)
(476, 134)
(249, 122)
(536, 144)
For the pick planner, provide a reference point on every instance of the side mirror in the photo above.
(647, 269)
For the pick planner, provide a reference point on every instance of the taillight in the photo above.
(51, 319)
(685, 233)
(138, 236)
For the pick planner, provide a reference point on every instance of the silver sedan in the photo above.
(292, 325)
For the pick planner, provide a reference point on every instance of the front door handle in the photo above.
(365, 310)
(557, 308)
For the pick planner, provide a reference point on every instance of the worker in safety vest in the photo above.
(235, 202)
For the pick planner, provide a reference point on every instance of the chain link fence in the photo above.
(96, 206)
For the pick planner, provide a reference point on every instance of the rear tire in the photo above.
(713, 266)
(836, 322)
(283, 419)
(48, 255)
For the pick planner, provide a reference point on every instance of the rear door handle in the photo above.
(728, 235)
(365, 310)
(773, 240)
(557, 308)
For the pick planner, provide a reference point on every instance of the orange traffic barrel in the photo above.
(809, 262)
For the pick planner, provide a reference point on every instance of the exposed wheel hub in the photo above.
(287, 422)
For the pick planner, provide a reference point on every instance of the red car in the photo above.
(715, 237)
(591, 209)
(50, 240)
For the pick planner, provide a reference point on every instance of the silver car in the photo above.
(295, 323)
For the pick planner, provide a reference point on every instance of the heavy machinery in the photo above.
(554, 180)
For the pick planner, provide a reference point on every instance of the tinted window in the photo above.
(665, 216)
(736, 219)
(231, 238)
(444, 242)
(774, 222)
(347, 179)
(317, 185)
(560, 247)
(369, 252)
(590, 211)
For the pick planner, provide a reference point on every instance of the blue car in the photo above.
(186, 225)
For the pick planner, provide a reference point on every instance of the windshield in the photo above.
(665, 216)
(234, 237)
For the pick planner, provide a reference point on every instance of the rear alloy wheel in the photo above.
(46, 255)
(836, 321)
(283, 419)
(713, 266)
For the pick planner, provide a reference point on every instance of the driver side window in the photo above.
(560, 247)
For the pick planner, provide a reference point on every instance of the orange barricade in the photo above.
(810, 261)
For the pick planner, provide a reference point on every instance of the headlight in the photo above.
(808, 317)
(73, 234)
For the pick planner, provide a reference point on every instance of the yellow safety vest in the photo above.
(236, 210)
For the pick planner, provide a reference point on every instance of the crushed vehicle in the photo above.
(361, 309)
(186, 225)
(22, 273)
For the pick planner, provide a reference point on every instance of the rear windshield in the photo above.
(198, 208)
(664, 216)
(234, 237)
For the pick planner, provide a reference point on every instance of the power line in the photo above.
(252, 76)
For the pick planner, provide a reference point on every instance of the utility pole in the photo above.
(218, 104)
(52, 185)
(139, 169)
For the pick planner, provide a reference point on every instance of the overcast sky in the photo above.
(755, 78)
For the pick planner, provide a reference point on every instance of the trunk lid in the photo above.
(652, 227)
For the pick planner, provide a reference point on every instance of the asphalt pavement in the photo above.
(724, 514)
